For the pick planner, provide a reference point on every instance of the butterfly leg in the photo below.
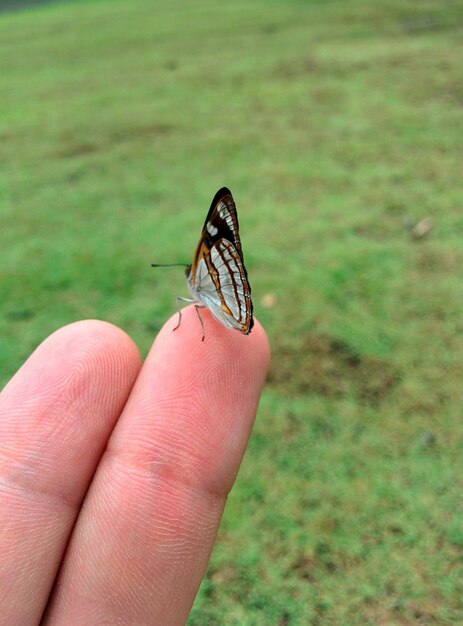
(179, 311)
(197, 307)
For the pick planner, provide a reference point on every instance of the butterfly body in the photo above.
(217, 277)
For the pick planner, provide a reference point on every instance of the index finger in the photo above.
(145, 533)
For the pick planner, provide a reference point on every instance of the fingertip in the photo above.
(101, 348)
(253, 348)
(259, 344)
(98, 337)
(96, 332)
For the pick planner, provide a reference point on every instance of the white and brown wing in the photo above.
(217, 276)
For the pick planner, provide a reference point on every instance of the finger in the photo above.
(143, 539)
(56, 415)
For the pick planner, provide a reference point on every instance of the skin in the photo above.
(114, 474)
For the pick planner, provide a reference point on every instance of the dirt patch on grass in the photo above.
(69, 145)
(324, 365)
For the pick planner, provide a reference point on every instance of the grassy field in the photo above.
(339, 127)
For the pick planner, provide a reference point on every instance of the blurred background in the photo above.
(338, 126)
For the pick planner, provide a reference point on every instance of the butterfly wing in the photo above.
(217, 276)
(221, 223)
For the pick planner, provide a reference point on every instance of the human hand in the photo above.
(113, 476)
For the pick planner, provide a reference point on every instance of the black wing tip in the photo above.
(251, 326)
(223, 191)
(251, 320)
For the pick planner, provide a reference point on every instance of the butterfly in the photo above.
(217, 277)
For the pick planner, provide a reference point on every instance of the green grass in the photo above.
(338, 125)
